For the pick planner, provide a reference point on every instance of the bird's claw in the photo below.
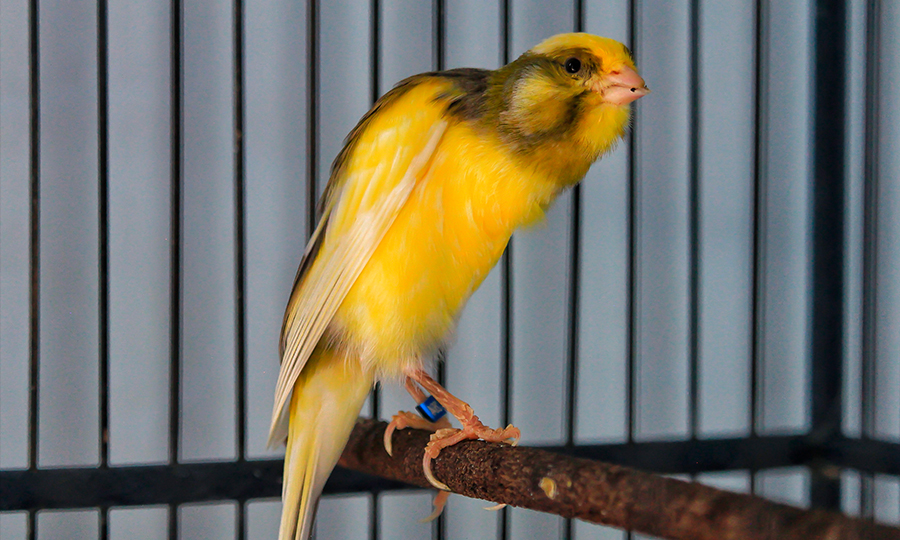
(405, 419)
(472, 430)
(440, 500)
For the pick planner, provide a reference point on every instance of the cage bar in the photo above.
(828, 238)
(821, 449)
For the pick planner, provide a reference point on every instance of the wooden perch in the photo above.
(598, 492)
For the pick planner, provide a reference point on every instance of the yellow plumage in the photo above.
(421, 204)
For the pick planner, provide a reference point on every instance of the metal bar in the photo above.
(506, 299)
(240, 253)
(506, 285)
(868, 456)
(439, 33)
(239, 227)
(34, 245)
(103, 225)
(175, 236)
(632, 330)
(573, 323)
(439, 17)
(375, 50)
(694, 209)
(375, 93)
(175, 61)
(240, 522)
(103, 241)
(632, 314)
(758, 286)
(103, 522)
(870, 245)
(173, 485)
(828, 237)
(312, 114)
(374, 510)
(176, 484)
(505, 31)
(574, 289)
(572, 356)
(439, 39)
(172, 513)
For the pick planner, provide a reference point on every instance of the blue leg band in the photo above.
(431, 410)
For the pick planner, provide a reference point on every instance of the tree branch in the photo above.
(598, 492)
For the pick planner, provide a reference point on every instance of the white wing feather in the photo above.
(333, 274)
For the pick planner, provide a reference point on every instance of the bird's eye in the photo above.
(573, 65)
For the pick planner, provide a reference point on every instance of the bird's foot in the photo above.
(403, 420)
(472, 429)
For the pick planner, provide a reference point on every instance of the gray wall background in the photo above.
(276, 93)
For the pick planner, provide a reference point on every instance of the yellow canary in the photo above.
(421, 203)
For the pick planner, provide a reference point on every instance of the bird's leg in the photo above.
(472, 428)
(404, 419)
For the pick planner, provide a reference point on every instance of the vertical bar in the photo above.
(870, 246)
(574, 286)
(34, 246)
(239, 228)
(239, 225)
(439, 16)
(240, 253)
(312, 111)
(694, 223)
(439, 22)
(175, 66)
(632, 330)
(31, 525)
(375, 51)
(103, 189)
(633, 240)
(828, 238)
(240, 525)
(103, 240)
(375, 88)
(757, 301)
(439, 12)
(506, 285)
(574, 302)
(506, 262)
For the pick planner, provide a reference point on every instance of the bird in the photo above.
(421, 202)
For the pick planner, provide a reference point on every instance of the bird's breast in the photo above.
(443, 243)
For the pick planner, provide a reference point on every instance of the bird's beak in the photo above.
(622, 86)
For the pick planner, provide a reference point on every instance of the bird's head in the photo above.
(599, 64)
(571, 88)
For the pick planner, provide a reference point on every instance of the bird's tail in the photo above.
(324, 407)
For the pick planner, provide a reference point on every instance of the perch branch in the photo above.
(598, 492)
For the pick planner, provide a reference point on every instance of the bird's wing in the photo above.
(372, 179)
